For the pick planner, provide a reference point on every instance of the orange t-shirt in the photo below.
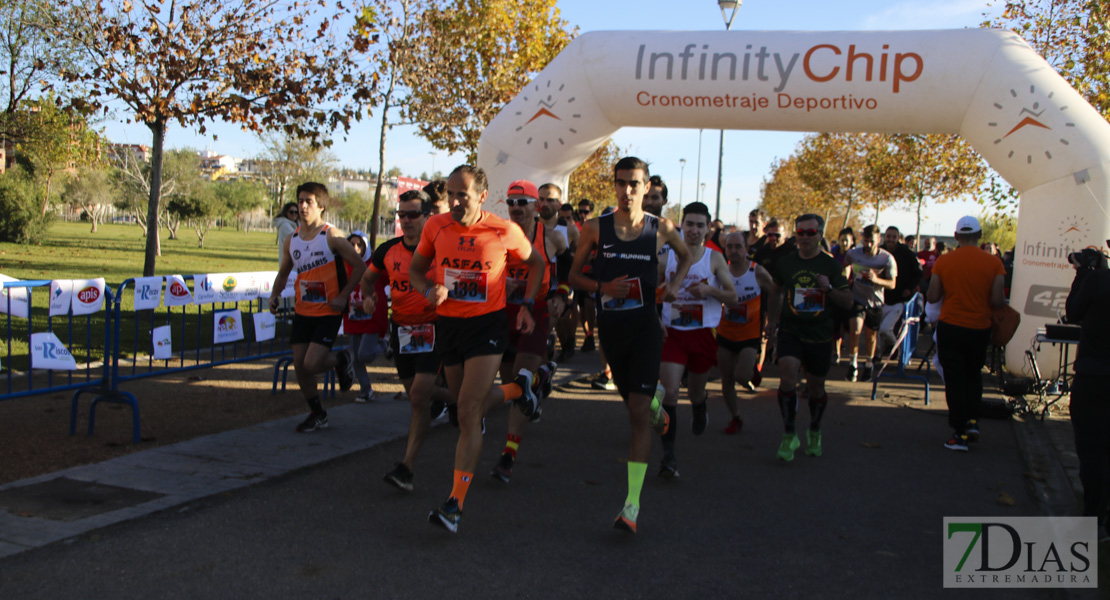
(391, 261)
(518, 270)
(967, 274)
(470, 261)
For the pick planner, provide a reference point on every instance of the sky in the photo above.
(748, 155)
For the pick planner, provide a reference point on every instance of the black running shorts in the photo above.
(314, 330)
(633, 348)
(816, 357)
(461, 338)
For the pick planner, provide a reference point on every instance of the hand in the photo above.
(867, 275)
(670, 292)
(823, 282)
(436, 294)
(617, 288)
(524, 321)
(275, 302)
(369, 303)
(339, 305)
(700, 289)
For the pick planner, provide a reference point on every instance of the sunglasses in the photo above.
(511, 202)
(411, 214)
(773, 235)
(584, 211)
(807, 232)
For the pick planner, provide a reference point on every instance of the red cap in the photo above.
(523, 187)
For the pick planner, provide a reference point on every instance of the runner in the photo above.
(526, 350)
(319, 252)
(412, 327)
(741, 329)
(366, 329)
(688, 344)
(807, 280)
(469, 249)
(627, 242)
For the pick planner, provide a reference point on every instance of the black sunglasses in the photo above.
(411, 214)
(583, 211)
(807, 232)
(511, 202)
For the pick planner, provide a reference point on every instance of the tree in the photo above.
(259, 63)
(239, 198)
(593, 178)
(287, 161)
(54, 140)
(834, 165)
(180, 175)
(198, 206)
(30, 60)
(474, 57)
(356, 207)
(913, 167)
(1072, 35)
(785, 195)
(90, 190)
(19, 222)
(1000, 229)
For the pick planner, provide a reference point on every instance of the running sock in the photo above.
(788, 405)
(636, 472)
(314, 404)
(512, 391)
(855, 359)
(511, 445)
(462, 484)
(816, 411)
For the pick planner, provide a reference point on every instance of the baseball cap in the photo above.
(523, 187)
(968, 225)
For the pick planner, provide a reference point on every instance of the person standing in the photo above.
(807, 283)
(905, 286)
(286, 224)
(627, 242)
(319, 252)
(468, 251)
(969, 282)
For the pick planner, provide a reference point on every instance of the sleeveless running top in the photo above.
(637, 259)
(392, 260)
(741, 321)
(688, 312)
(518, 271)
(320, 274)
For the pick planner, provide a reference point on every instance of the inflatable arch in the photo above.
(987, 85)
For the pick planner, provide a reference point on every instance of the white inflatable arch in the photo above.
(987, 85)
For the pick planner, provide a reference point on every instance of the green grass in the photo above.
(71, 251)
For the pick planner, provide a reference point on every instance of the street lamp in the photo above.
(681, 176)
(738, 214)
(703, 191)
(728, 11)
(432, 175)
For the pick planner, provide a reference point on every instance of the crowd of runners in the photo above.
(474, 297)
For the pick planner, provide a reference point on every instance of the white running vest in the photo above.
(688, 312)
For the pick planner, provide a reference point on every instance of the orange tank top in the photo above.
(320, 274)
(741, 321)
(517, 273)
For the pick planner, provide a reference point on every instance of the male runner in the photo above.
(741, 330)
(627, 242)
(469, 250)
(526, 350)
(412, 326)
(561, 305)
(587, 310)
(318, 251)
(873, 271)
(688, 344)
(806, 281)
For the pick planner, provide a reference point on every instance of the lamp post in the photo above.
(698, 198)
(432, 175)
(728, 11)
(738, 214)
(681, 177)
(703, 192)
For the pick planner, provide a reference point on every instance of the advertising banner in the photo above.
(19, 299)
(61, 292)
(227, 326)
(265, 325)
(162, 342)
(88, 296)
(177, 291)
(148, 292)
(48, 352)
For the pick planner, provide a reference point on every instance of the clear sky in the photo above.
(747, 154)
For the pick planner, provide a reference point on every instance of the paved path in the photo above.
(265, 512)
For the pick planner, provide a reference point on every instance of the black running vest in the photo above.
(637, 259)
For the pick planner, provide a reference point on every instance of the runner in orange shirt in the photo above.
(318, 251)
(469, 250)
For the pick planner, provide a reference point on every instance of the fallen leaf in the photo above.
(1006, 500)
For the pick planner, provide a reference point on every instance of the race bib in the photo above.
(809, 300)
(314, 292)
(686, 315)
(737, 314)
(519, 286)
(633, 300)
(416, 339)
(355, 312)
(465, 286)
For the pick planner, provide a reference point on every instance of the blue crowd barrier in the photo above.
(912, 316)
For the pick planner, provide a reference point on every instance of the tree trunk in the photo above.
(46, 196)
(920, 200)
(153, 246)
(386, 99)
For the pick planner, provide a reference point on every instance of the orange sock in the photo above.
(511, 445)
(512, 391)
(462, 484)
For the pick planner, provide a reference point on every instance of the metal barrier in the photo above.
(85, 337)
(906, 346)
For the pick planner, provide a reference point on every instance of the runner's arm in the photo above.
(670, 235)
(435, 293)
(282, 279)
(586, 244)
(726, 292)
(998, 291)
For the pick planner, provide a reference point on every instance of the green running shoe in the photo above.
(813, 448)
(789, 444)
(660, 420)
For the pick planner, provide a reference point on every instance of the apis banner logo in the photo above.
(177, 292)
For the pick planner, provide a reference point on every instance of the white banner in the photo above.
(148, 292)
(61, 291)
(265, 325)
(227, 287)
(202, 290)
(162, 342)
(48, 352)
(227, 326)
(177, 292)
(19, 298)
(88, 296)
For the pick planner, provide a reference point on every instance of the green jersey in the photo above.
(805, 308)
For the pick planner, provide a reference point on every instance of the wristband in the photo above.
(427, 289)
(530, 303)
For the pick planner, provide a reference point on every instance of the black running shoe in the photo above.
(545, 380)
(437, 409)
(669, 468)
(344, 369)
(447, 516)
(865, 373)
(400, 477)
(588, 344)
(850, 375)
(701, 418)
(316, 420)
(564, 355)
(504, 468)
(527, 402)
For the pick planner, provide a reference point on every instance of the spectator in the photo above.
(909, 275)
(286, 224)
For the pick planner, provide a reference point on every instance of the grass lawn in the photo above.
(115, 252)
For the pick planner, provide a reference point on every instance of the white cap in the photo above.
(968, 225)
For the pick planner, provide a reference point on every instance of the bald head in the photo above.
(736, 246)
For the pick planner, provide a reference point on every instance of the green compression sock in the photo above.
(636, 472)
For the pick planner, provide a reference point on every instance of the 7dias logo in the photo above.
(1020, 552)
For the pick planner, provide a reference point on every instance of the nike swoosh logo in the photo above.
(493, 343)
(608, 246)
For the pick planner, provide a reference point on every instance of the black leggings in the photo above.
(1090, 419)
(962, 353)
